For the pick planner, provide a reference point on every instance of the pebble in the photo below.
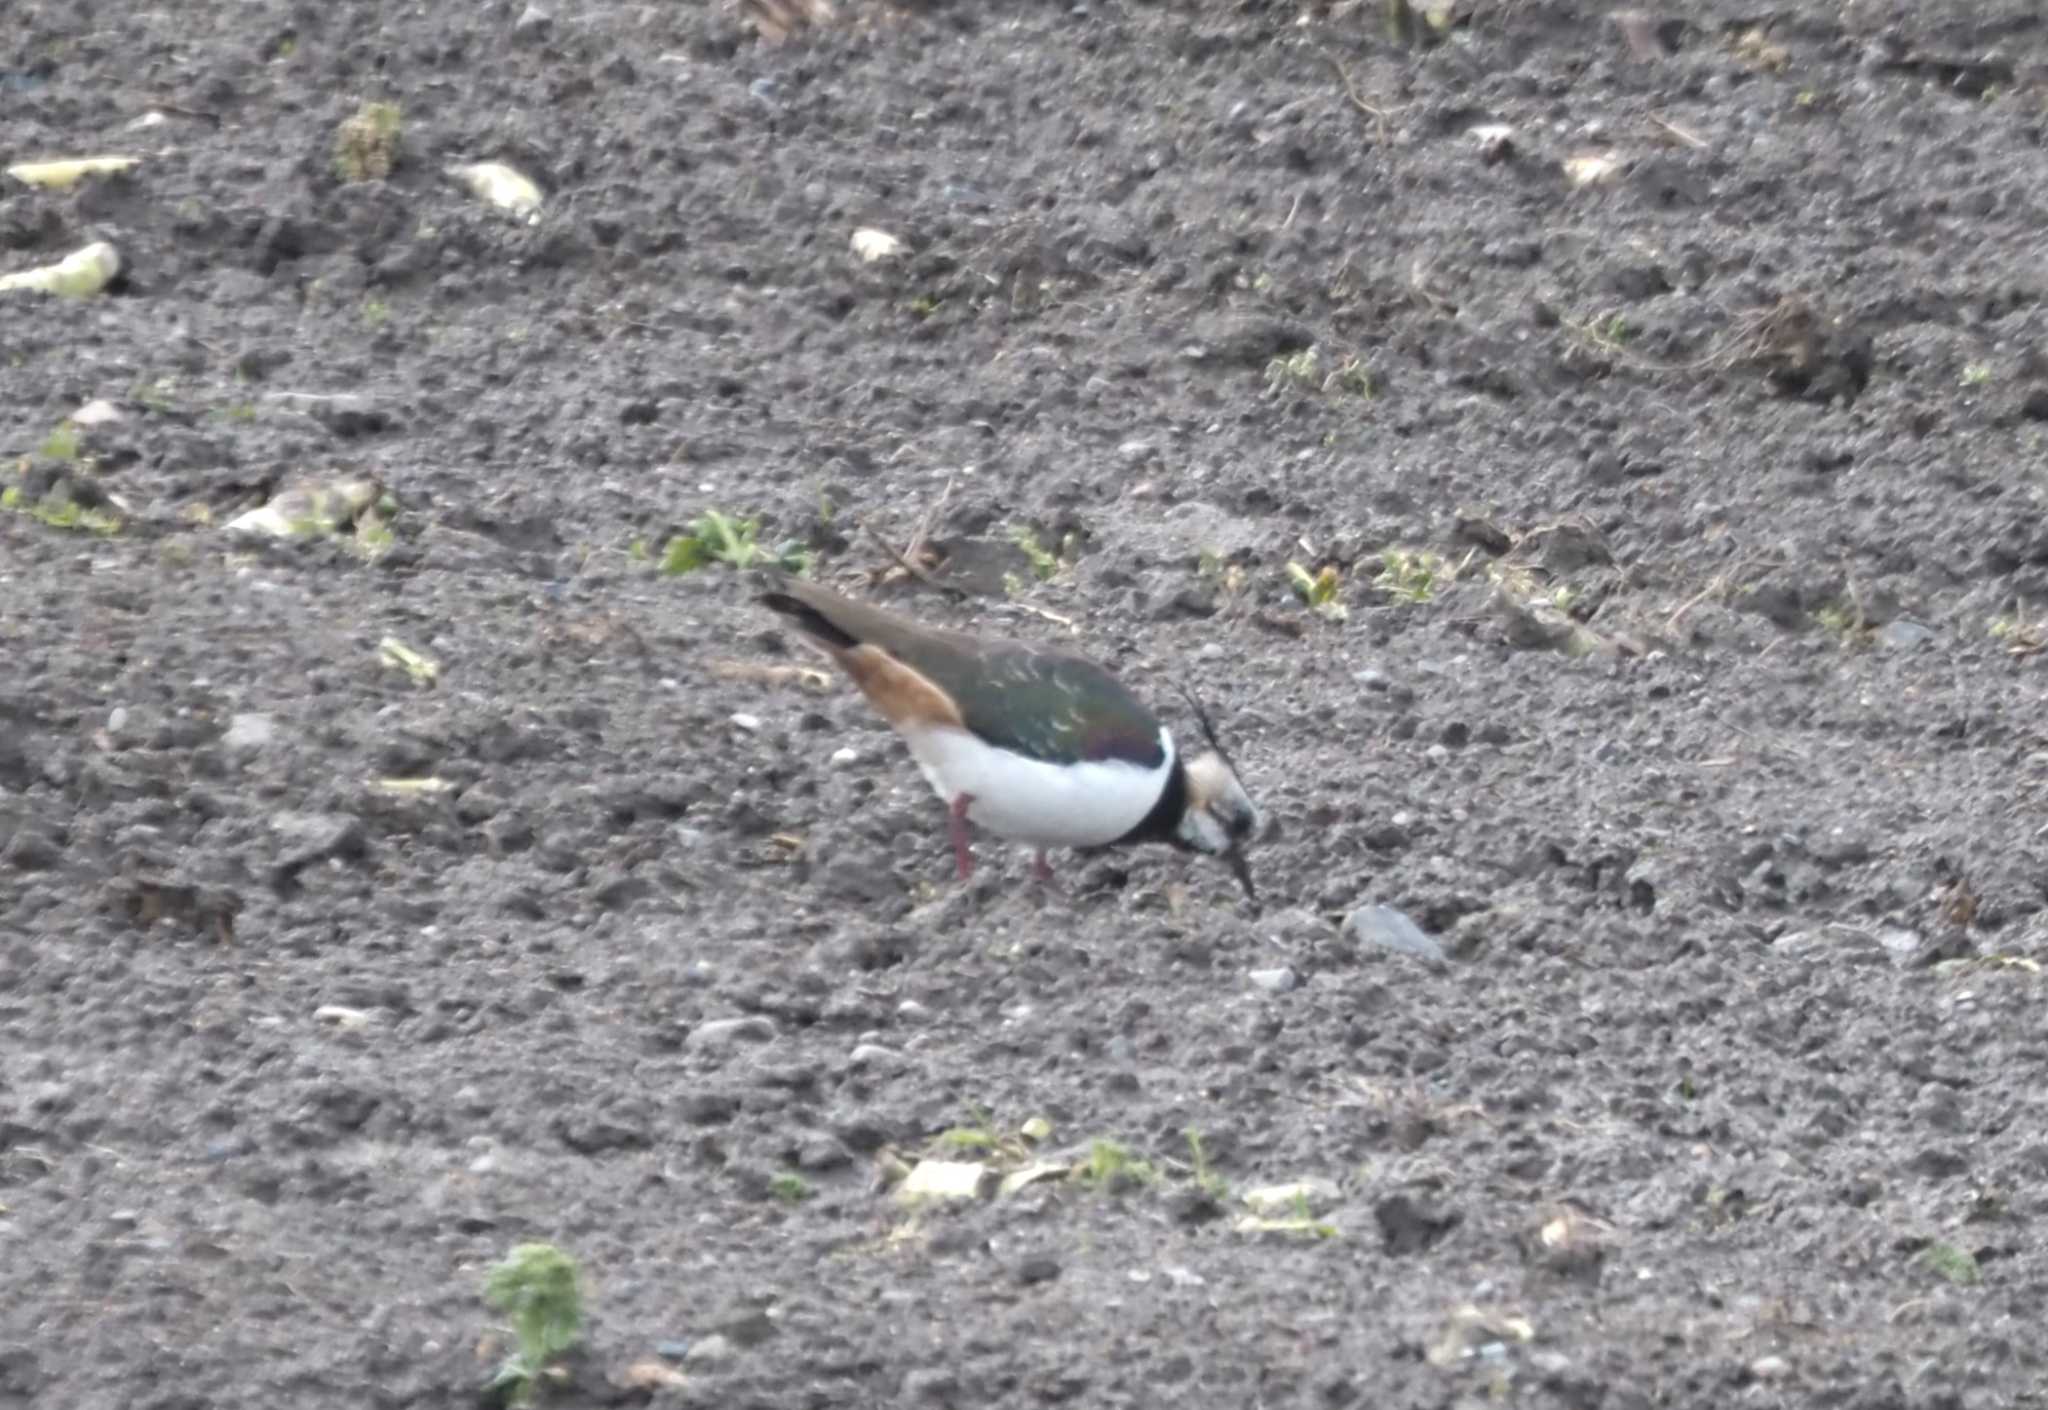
(117, 719)
(1041, 1268)
(842, 758)
(714, 1350)
(1390, 929)
(704, 1107)
(875, 1055)
(1275, 981)
(931, 1384)
(1316, 1193)
(249, 732)
(911, 1011)
(1902, 635)
(751, 724)
(1371, 678)
(721, 1031)
(1770, 1368)
(1437, 754)
(305, 838)
(533, 23)
(34, 851)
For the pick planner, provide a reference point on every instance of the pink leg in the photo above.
(962, 857)
(1041, 869)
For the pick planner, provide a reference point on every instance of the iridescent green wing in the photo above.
(1046, 705)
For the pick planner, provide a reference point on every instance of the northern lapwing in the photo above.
(1027, 742)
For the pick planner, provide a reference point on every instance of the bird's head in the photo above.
(1220, 818)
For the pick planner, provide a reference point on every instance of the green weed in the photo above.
(1411, 575)
(1112, 1169)
(61, 444)
(538, 1289)
(1322, 591)
(718, 538)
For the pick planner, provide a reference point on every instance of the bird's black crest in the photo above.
(1208, 726)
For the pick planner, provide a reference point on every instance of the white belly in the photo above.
(1046, 805)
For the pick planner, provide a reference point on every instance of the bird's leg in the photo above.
(1041, 869)
(962, 856)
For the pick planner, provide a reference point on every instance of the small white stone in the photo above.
(911, 1011)
(749, 723)
(842, 757)
(117, 719)
(877, 1056)
(873, 245)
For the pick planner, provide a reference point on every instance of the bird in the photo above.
(1028, 742)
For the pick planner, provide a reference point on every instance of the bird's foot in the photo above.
(1041, 869)
(963, 855)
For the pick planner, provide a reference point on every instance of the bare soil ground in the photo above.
(1687, 519)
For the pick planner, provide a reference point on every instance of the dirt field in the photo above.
(1678, 454)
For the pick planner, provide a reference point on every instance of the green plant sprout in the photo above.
(1044, 562)
(1111, 1168)
(790, 1188)
(61, 444)
(719, 538)
(1409, 575)
(1322, 591)
(537, 1288)
(1206, 1178)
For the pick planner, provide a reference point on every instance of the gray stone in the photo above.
(306, 838)
(34, 850)
(1274, 981)
(533, 24)
(725, 1032)
(876, 1056)
(1038, 1268)
(706, 1107)
(930, 1385)
(1903, 635)
(713, 1350)
(1385, 928)
(249, 732)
